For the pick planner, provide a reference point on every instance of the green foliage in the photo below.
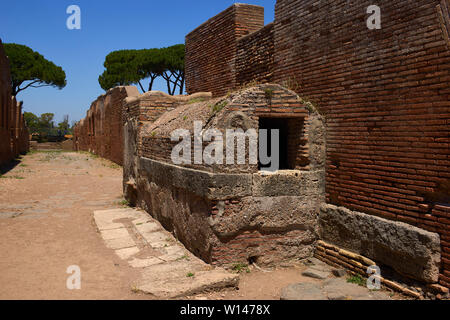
(44, 125)
(268, 93)
(124, 203)
(357, 280)
(29, 69)
(32, 122)
(190, 274)
(196, 100)
(64, 126)
(218, 106)
(172, 60)
(240, 267)
(127, 67)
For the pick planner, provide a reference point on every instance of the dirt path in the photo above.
(46, 205)
(46, 221)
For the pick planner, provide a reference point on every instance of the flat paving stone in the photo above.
(147, 227)
(155, 237)
(303, 291)
(120, 243)
(183, 278)
(316, 274)
(142, 263)
(114, 234)
(127, 253)
(331, 289)
(167, 264)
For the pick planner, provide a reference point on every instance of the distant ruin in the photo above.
(101, 131)
(367, 174)
(14, 136)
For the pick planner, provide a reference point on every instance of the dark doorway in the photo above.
(282, 125)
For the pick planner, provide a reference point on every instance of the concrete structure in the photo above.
(14, 137)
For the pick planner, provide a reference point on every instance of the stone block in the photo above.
(409, 250)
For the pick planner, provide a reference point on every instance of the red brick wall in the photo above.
(254, 56)
(101, 132)
(385, 94)
(211, 48)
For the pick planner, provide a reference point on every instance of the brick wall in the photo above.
(211, 48)
(267, 101)
(222, 216)
(14, 137)
(101, 132)
(385, 94)
(254, 56)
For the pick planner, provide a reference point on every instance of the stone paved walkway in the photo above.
(167, 269)
(333, 286)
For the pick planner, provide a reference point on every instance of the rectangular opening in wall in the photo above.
(290, 131)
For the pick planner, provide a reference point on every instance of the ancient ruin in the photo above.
(14, 137)
(364, 118)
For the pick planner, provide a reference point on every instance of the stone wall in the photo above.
(14, 136)
(227, 214)
(211, 48)
(384, 93)
(101, 132)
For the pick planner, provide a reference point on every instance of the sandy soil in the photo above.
(46, 221)
(46, 205)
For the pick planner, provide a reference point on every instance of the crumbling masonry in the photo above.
(367, 163)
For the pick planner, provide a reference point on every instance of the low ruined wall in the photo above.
(411, 251)
(211, 48)
(228, 214)
(138, 114)
(101, 132)
(220, 219)
(14, 137)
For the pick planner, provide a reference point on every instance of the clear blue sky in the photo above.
(105, 26)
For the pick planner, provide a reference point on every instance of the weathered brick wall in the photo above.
(211, 48)
(101, 132)
(221, 216)
(385, 94)
(254, 56)
(267, 101)
(386, 97)
(14, 137)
